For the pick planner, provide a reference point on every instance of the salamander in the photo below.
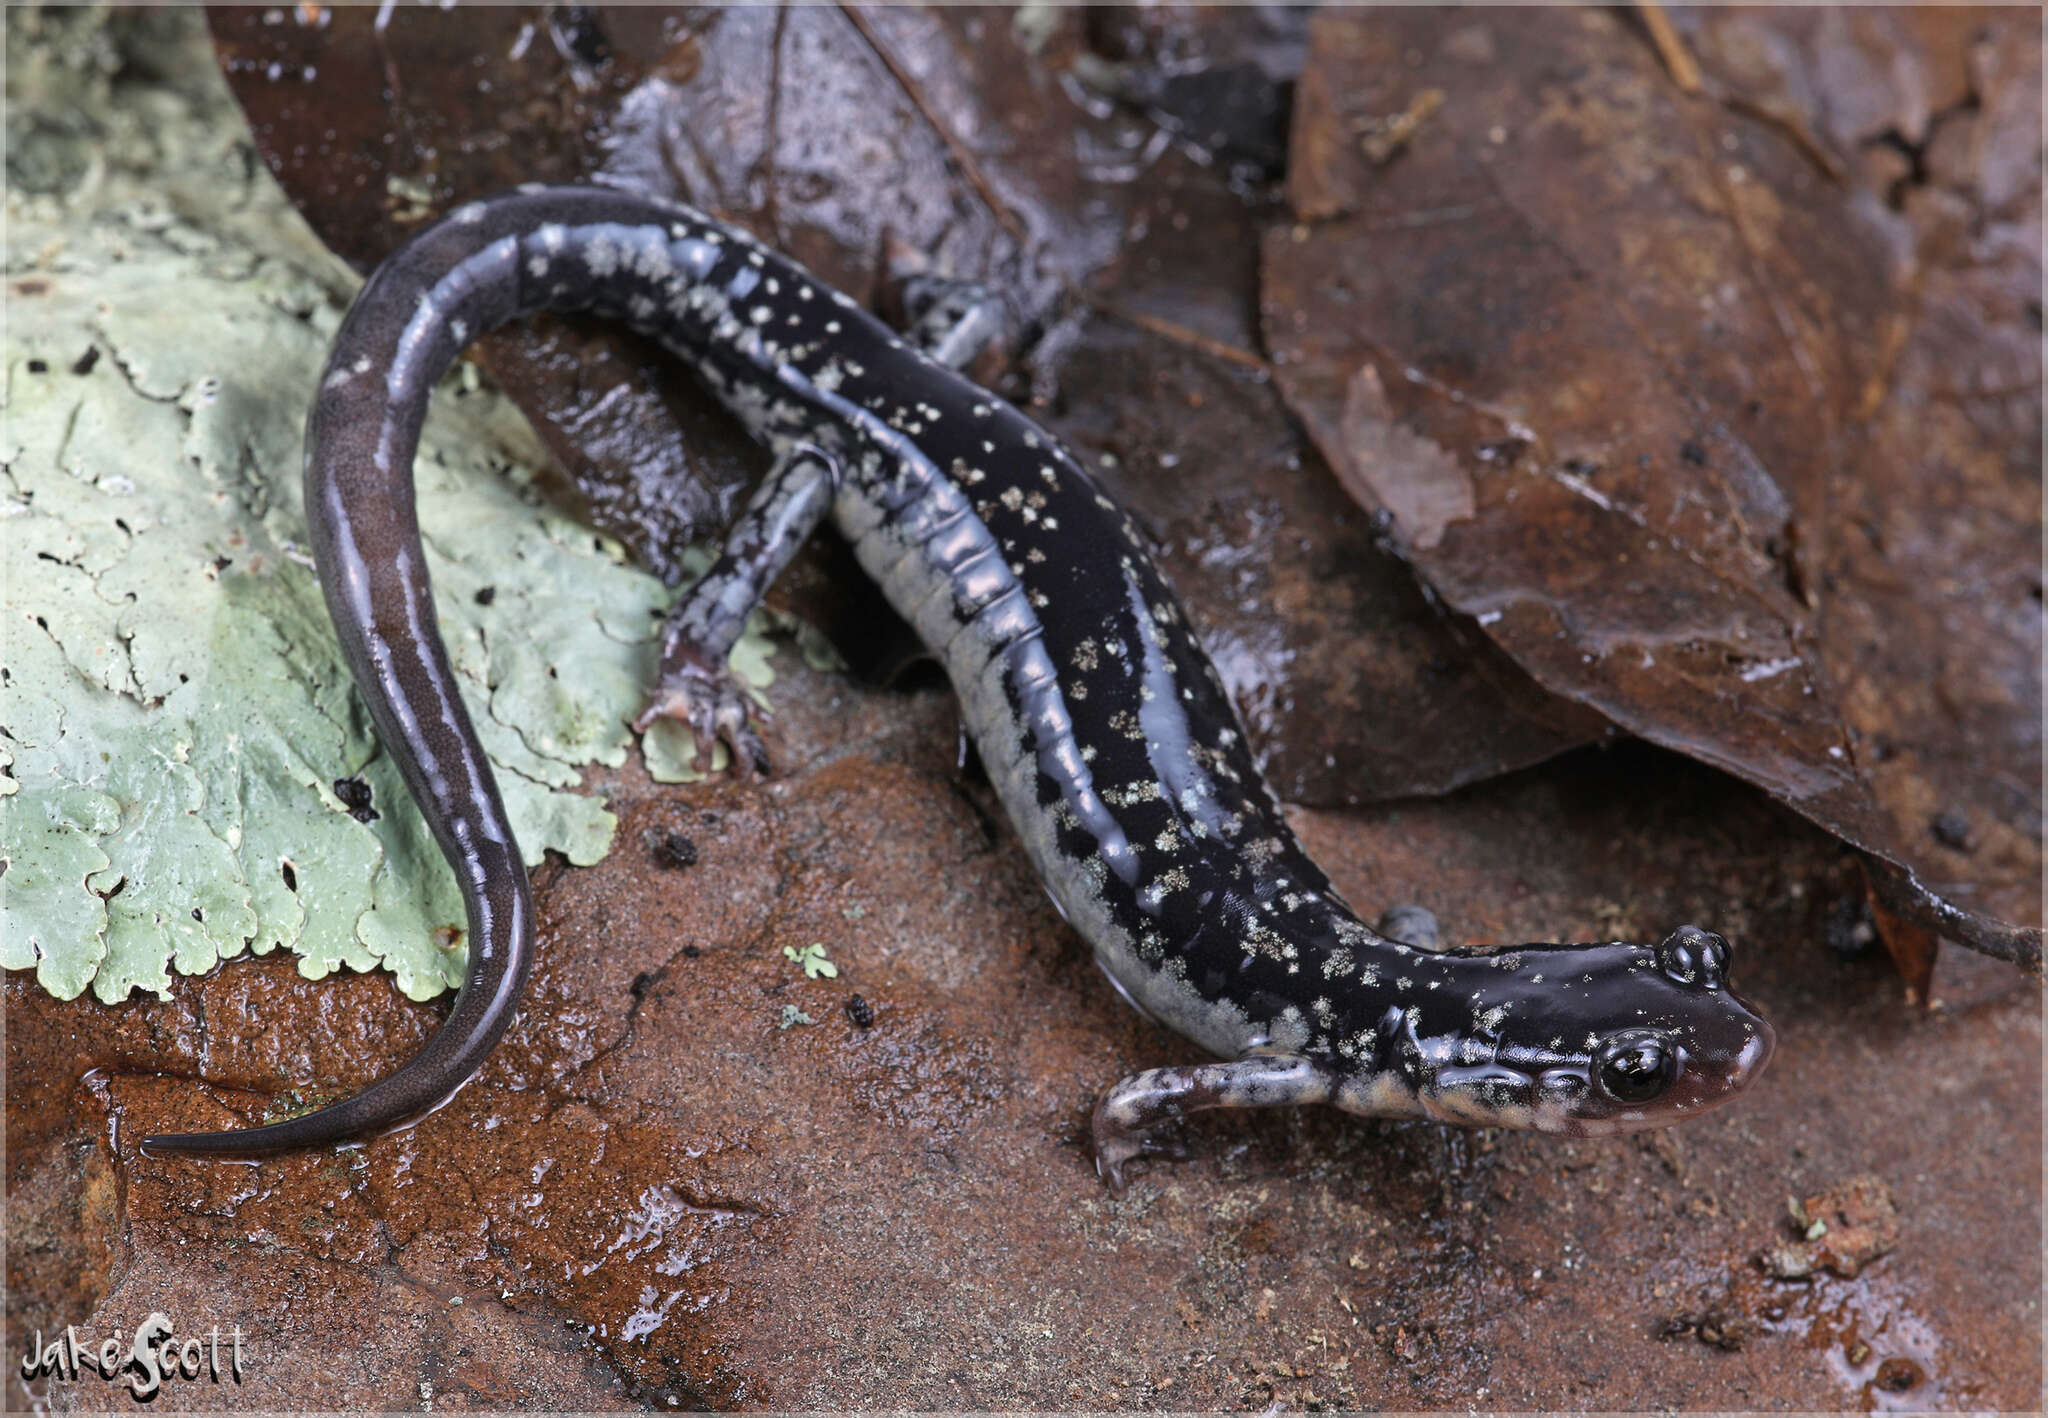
(1104, 729)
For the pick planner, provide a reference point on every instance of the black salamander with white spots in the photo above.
(1103, 726)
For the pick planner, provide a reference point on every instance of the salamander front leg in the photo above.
(697, 686)
(1127, 1113)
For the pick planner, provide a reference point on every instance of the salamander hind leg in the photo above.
(697, 686)
(950, 319)
(1127, 1114)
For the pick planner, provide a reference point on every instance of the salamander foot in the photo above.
(709, 700)
(1411, 925)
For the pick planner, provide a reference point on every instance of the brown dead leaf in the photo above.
(1603, 354)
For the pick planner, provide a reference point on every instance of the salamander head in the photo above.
(1593, 1039)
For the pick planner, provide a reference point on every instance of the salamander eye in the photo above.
(1634, 1068)
(1691, 956)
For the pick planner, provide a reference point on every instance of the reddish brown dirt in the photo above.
(654, 1195)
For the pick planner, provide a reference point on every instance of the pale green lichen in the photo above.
(814, 960)
(174, 713)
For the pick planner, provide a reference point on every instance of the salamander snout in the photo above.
(1611, 1037)
(1692, 1045)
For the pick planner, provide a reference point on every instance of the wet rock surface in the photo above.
(690, 1178)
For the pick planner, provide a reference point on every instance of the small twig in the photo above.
(1179, 334)
(1788, 122)
(1677, 58)
(962, 157)
(1380, 138)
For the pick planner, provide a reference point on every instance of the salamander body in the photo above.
(1105, 731)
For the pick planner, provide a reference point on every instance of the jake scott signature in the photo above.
(155, 1355)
